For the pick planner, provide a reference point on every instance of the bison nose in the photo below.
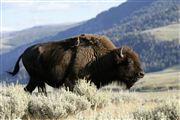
(141, 74)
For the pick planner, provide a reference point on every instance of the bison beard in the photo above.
(86, 56)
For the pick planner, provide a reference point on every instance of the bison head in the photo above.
(128, 66)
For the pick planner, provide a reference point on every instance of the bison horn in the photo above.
(122, 52)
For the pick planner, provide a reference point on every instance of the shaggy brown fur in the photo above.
(94, 58)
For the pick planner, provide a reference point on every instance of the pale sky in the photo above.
(21, 14)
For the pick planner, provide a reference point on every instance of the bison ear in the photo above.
(118, 55)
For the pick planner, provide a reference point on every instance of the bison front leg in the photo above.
(69, 84)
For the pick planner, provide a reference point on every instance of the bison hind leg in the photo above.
(31, 85)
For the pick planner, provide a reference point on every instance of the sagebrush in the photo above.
(86, 102)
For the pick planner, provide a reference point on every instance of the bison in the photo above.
(88, 56)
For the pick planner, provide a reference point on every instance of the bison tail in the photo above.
(16, 68)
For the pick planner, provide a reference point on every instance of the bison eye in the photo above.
(129, 61)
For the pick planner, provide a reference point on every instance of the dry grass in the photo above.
(167, 79)
(88, 103)
(140, 106)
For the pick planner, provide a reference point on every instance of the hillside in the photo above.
(128, 17)
(106, 19)
(11, 40)
(158, 13)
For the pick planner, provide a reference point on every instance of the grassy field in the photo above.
(88, 103)
(138, 106)
(169, 32)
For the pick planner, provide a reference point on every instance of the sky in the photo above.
(21, 14)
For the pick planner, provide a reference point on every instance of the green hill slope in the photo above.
(157, 14)
(168, 32)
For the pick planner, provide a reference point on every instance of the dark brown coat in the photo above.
(85, 56)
